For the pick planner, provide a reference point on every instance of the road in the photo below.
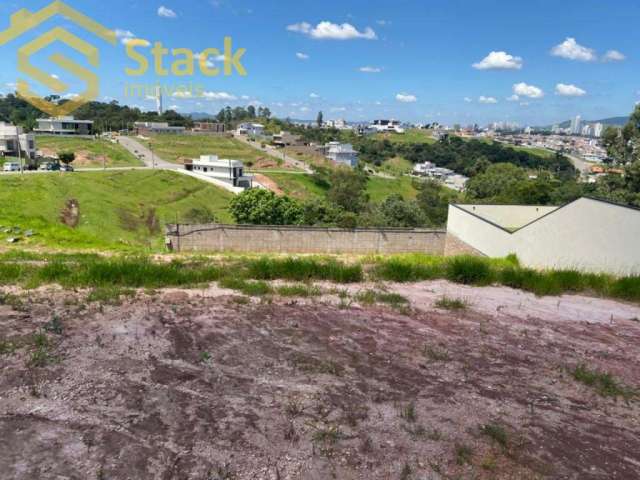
(150, 159)
(294, 162)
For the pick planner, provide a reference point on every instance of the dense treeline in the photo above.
(468, 157)
(107, 116)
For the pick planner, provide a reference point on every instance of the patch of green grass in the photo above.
(119, 210)
(90, 152)
(7, 347)
(300, 290)
(603, 382)
(371, 297)
(109, 295)
(304, 269)
(380, 188)
(469, 271)
(250, 288)
(496, 432)
(297, 185)
(173, 148)
(328, 435)
(411, 136)
(448, 303)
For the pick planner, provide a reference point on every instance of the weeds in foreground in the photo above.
(463, 454)
(406, 472)
(39, 356)
(250, 288)
(454, 304)
(408, 412)
(496, 432)
(436, 354)
(603, 382)
(371, 297)
(7, 347)
(300, 290)
(328, 435)
(109, 295)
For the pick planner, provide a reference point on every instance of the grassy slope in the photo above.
(117, 156)
(410, 136)
(173, 147)
(302, 186)
(113, 206)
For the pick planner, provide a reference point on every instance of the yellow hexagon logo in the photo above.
(23, 21)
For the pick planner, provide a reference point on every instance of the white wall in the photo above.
(587, 235)
(509, 216)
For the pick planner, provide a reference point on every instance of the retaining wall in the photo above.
(291, 239)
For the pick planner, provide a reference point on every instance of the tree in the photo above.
(433, 199)
(251, 111)
(66, 157)
(397, 212)
(263, 207)
(348, 190)
(498, 183)
(320, 119)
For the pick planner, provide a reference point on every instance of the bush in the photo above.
(302, 269)
(469, 271)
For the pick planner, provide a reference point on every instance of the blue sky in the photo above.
(452, 61)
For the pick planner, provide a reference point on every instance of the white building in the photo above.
(342, 153)
(598, 129)
(11, 136)
(146, 128)
(64, 126)
(251, 129)
(587, 235)
(229, 172)
(576, 125)
(422, 169)
(387, 126)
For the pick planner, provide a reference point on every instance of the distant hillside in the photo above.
(614, 121)
(201, 116)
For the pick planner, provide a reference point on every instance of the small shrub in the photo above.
(54, 326)
(7, 347)
(328, 435)
(447, 303)
(436, 354)
(463, 454)
(496, 432)
(408, 412)
(109, 295)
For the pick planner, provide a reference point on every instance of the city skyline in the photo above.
(416, 61)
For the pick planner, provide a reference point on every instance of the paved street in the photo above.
(143, 153)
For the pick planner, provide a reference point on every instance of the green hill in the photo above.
(117, 210)
(90, 153)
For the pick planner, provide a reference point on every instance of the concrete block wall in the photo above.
(280, 239)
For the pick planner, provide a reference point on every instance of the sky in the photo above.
(452, 61)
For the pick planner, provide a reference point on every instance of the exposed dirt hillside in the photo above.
(211, 385)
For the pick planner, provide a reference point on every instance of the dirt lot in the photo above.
(212, 385)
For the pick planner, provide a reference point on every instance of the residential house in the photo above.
(146, 128)
(13, 137)
(387, 126)
(64, 126)
(251, 129)
(208, 127)
(229, 172)
(341, 153)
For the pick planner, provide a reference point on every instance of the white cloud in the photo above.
(468, 100)
(244, 97)
(304, 109)
(314, 95)
(70, 96)
(572, 50)
(524, 90)
(332, 31)
(338, 109)
(53, 75)
(219, 96)
(614, 56)
(406, 98)
(513, 98)
(181, 94)
(302, 56)
(126, 36)
(569, 90)
(499, 61)
(487, 100)
(166, 12)
(174, 107)
(370, 69)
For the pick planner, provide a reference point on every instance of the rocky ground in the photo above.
(210, 384)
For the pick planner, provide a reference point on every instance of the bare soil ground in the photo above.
(211, 385)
